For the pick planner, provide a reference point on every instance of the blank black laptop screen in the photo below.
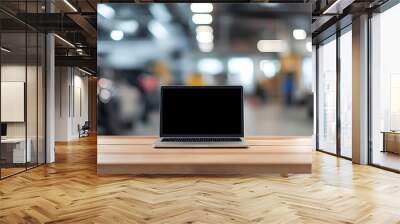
(201, 111)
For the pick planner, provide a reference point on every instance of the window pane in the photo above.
(41, 99)
(386, 89)
(31, 99)
(327, 97)
(15, 150)
(346, 93)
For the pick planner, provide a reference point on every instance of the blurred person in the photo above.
(221, 79)
(261, 93)
(148, 84)
(119, 100)
(195, 79)
(162, 71)
(288, 88)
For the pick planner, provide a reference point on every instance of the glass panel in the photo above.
(31, 97)
(41, 99)
(22, 88)
(327, 97)
(13, 86)
(346, 94)
(386, 89)
(136, 59)
(31, 86)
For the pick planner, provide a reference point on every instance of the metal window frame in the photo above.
(381, 9)
(333, 37)
(44, 73)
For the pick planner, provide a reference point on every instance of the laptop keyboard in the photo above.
(201, 139)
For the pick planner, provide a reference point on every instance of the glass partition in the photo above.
(14, 144)
(41, 97)
(22, 91)
(156, 46)
(385, 89)
(327, 96)
(32, 96)
(346, 94)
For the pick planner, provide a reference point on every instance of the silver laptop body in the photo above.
(201, 117)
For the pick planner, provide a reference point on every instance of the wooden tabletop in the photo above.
(136, 155)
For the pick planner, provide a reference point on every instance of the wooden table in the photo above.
(391, 141)
(136, 155)
(14, 151)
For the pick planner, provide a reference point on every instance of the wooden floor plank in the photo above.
(70, 191)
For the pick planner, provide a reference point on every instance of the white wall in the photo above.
(71, 94)
(17, 73)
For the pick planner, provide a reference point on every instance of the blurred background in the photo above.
(265, 47)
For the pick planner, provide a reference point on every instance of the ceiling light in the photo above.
(204, 28)
(204, 37)
(5, 50)
(269, 68)
(201, 7)
(299, 34)
(210, 66)
(206, 47)
(202, 19)
(335, 7)
(117, 35)
(105, 95)
(271, 46)
(84, 71)
(309, 46)
(157, 29)
(106, 11)
(70, 5)
(130, 26)
(64, 40)
(241, 71)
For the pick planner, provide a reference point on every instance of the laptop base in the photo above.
(235, 144)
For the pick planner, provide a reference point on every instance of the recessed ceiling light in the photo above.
(202, 19)
(84, 71)
(335, 7)
(204, 37)
(206, 47)
(5, 50)
(309, 46)
(106, 11)
(71, 6)
(117, 35)
(299, 34)
(210, 66)
(271, 46)
(269, 67)
(204, 28)
(129, 26)
(64, 40)
(201, 7)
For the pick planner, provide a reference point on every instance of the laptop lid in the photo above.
(201, 111)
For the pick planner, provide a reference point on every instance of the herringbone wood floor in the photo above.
(69, 191)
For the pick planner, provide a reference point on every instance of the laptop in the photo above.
(201, 117)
